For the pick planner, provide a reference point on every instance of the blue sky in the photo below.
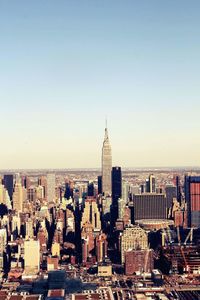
(66, 65)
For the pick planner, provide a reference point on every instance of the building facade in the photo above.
(192, 196)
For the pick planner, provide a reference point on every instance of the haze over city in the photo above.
(66, 66)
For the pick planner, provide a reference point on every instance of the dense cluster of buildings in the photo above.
(104, 227)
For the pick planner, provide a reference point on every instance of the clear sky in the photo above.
(66, 65)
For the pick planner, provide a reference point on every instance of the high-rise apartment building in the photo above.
(51, 187)
(192, 196)
(106, 165)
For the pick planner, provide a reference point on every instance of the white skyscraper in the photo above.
(31, 256)
(51, 186)
(106, 165)
(19, 196)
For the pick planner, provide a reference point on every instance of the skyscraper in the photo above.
(19, 196)
(171, 193)
(8, 183)
(91, 214)
(134, 238)
(31, 256)
(116, 193)
(151, 184)
(99, 185)
(192, 196)
(116, 184)
(51, 185)
(150, 206)
(106, 165)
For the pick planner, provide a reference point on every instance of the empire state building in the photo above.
(106, 165)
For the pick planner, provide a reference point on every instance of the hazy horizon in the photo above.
(67, 65)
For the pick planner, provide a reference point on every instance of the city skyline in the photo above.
(64, 67)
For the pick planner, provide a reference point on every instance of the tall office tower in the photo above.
(90, 189)
(133, 238)
(116, 185)
(106, 165)
(91, 214)
(192, 196)
(32, 257)
(99, 185)
(171, 194)
(151, 184)
(19, 196)
(8, 184)
(116, 193)
(178, 189)
(42, 181)
(125, 191)
(150, 206)
(51, 187)
(78, 244)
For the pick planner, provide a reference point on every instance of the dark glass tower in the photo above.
(116, 193)
(178, 189)
(151, 184)
(192, 196)
(90, 189)
(99, 185)
(8, 183)
(116, 185)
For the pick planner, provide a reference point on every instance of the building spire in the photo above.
(106, 130)
(106, 163)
